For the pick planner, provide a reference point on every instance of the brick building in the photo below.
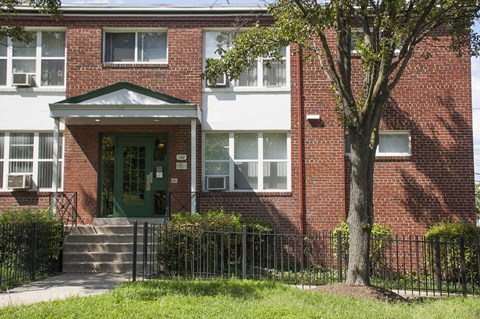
(140, 134)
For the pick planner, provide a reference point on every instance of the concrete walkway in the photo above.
(62, 287)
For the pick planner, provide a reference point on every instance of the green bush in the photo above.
(25, 235)
(26, 216)
(448, 235)
(208, 243)
(381, 238)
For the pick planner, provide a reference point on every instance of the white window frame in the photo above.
(360, 30)
(35, 160)
(38, 60)
(260, 161)
(136, 31)
(391, 154)
(260, 71)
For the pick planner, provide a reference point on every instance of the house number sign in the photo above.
(181, 157)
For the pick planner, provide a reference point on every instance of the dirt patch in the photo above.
(367, 292)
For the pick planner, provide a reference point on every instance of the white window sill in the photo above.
(285, 89)
(33, 89)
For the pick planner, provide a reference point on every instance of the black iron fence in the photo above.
(28, 252)
(410, 265)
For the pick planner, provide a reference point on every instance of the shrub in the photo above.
(448, 235)
(204, 244)
(381, 238)
(26, 216)
(19, 238)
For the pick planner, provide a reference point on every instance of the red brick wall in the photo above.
(411, 193)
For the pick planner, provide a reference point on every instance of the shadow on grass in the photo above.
(154, 289)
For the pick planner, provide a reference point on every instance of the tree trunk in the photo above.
(360, 216)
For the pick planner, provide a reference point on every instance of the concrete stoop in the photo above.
(104, 247)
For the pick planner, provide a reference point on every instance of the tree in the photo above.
(9, 8)
(385, 34)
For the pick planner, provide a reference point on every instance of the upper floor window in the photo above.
(38, 63)
(135, 47)
(264, 73)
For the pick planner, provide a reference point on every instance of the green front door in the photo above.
(140, 181)
(132, 193)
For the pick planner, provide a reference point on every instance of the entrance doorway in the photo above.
(133, 178)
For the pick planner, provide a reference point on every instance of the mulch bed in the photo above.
(367, 292)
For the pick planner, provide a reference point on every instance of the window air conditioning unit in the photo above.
(221, 81)
(216, 183)
(22, 79)
(17, 182)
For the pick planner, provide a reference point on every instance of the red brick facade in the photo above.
(432, 102)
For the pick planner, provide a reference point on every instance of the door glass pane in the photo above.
(53, 44)
(160, 202)
(133, 176)
(108, 175)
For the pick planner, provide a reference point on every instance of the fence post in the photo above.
(438, 264)
(244, 251)
(339, 256)
(33, 252)
(134, 259)
(145, 248)
(463, 267)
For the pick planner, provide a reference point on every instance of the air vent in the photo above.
(216, 183)
(22, 79)
(221, 81)
(19, 182)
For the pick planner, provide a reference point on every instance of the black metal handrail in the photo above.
(65, 207)
(181, 202)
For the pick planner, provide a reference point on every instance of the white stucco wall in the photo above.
(27, 110)
(256, 111)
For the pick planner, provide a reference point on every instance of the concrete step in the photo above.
(103, 238)
(84, 267)
(100, 257)
(100, 247)
(95, 230)
(126, 221)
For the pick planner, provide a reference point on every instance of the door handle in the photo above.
(149, 181)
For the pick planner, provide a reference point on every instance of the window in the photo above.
(29, 153)
(3, 61)
(250, 161)
(2, 161)
(135, 47)
(38, 63)
(392, 143)
(265, 73)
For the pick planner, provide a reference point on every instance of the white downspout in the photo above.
(55, 177)
(193, 165)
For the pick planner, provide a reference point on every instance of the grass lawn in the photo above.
(235, 299)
